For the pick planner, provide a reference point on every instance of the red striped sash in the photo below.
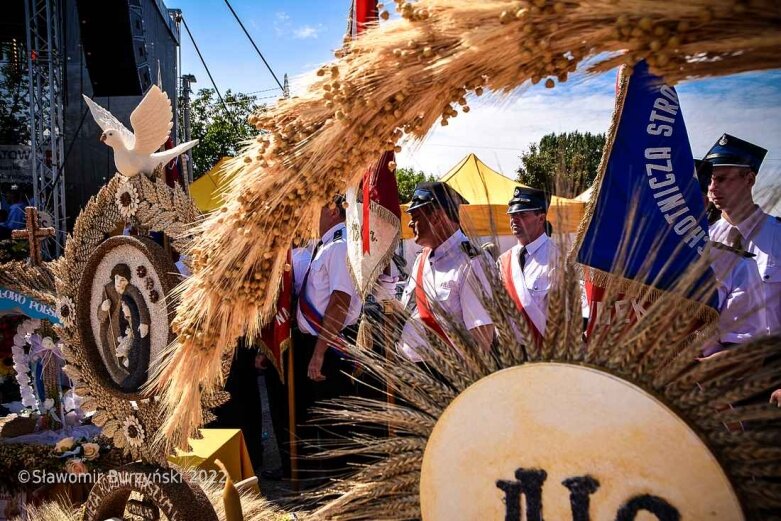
(509, 284)
(421, 300)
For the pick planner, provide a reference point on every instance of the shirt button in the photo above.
(767, 277)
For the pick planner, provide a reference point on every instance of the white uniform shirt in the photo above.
(539, 270)
(300, 257)
(453, 282)
(760, 235)
(741, 317)
(328, 272)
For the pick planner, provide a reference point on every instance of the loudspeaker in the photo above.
(114, 44)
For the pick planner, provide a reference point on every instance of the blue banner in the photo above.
(12, 302)
(648, 224)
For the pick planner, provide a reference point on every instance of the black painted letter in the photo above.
(529, 484)
(663, 510)
(580, 488)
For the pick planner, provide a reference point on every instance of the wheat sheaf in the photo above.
(395, 83)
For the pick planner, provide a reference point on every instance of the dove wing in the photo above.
(107, 121)
(152, 120)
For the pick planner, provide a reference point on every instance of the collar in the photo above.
(450, 243)
(748, 225)
(329, 235)
(536, 244)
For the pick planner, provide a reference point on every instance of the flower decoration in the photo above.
(21, 363)
(29, 347)
(91, 451)
(66, 311)
(75, 466)
(154, 296)
(133, 431)
(64, 444)
(71, 404)
(127, 200)
(141, 271)
(48, 343)
(149, 283)
(28, 397)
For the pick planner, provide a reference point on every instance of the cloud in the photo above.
(499, 129)
(305, 32)
(283, 26)
(281, 23)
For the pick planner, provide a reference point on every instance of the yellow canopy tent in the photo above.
(207, 190)
(586, 195)
(488, 193)
(486, 190)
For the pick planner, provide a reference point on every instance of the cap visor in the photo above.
(511, 210)
(415, 207)
(743, 165)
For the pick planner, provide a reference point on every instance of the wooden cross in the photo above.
(34, 234)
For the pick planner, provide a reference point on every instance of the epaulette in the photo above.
(470, 249)
(338, 235)
(736, 251)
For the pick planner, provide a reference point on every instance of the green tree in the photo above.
(564, 164)
(219, 133)
(14, 115)
(406, 179)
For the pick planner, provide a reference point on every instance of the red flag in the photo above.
(275, 336)
(380, 188)
(172, 170)
(379, 184)
(624, 312)
(365, 13)
(375, 228)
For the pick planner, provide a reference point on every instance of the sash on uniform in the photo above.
(421, 300)
(313, 317)
(533, 315)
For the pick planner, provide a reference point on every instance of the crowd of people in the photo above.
(447, 284)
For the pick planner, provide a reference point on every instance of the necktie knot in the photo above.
(735, 238)
(522, 257)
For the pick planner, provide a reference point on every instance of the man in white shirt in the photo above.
(328, 310)
(738, 284)
(528, 268)
(328, 301)
(447, 279)
(743, 224)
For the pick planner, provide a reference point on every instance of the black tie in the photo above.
(735, 238)
(309, 266)
(522, 257)
(317, 248)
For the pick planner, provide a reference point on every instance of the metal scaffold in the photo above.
(46, 71)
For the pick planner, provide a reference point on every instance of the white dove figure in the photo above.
(136, 152)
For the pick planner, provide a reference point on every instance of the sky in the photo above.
(296, 36)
